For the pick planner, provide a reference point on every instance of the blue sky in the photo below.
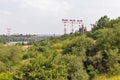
(44, 16)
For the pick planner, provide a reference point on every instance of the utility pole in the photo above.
(8, 31)
(8, 34)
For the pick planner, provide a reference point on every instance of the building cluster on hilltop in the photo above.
(73, 22)
(82, 29)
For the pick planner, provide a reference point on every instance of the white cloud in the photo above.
(9, 0)
(50, 6)
(44, 16)
(5, 12)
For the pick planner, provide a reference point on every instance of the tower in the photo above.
(72, 21)
(65, 21)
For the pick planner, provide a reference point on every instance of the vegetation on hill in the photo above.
(94, 55)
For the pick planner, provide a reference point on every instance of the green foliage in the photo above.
(112, 58)
(107, 48)
(44, 68)
(93, 72)
(75, 68)
(78, 46)
(9, 57)
(6, 76)
(101, 23)
(69, 57)
(3, 39)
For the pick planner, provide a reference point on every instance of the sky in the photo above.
(44, 16)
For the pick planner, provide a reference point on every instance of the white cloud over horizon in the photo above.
(44, 16)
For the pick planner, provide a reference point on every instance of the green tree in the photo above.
(78, 46)
(102, 22)
(75, 68)
(44, 68)
(10, 56)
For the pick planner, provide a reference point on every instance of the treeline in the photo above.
(16, 38)
(21, 38)
(75, 56)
